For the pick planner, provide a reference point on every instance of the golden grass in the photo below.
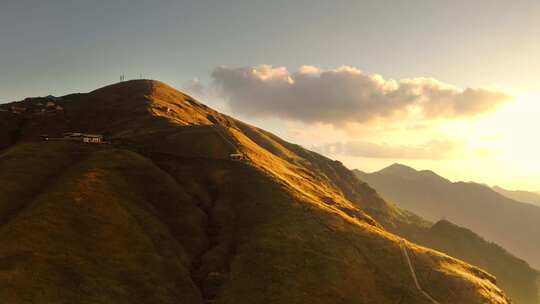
(186, 225)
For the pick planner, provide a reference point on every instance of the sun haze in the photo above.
(448, 86)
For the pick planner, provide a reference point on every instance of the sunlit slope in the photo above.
(515, 276)
(163, 216)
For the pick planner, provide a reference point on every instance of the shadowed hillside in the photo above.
(162, 215)
(520, 196)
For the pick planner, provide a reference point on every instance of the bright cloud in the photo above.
(345, 95)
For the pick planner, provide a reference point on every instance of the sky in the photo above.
(451, 86)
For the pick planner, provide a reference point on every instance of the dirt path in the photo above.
(413, 272)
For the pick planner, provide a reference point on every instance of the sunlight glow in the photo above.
(504, 146)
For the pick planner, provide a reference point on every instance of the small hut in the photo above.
(83, 137)
(237, 157)
(92, 138)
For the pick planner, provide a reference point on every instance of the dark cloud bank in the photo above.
(345, 95)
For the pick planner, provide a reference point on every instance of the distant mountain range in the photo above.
(520, 196)
(512, 224)
(513, 274)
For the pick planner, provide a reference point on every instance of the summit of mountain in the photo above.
(161, 213)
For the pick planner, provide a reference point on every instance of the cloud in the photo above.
(195, 87)
(345, 95)
(435, 149)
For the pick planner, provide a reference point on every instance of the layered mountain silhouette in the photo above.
(519, 195)
(474, 207)
(163, 214)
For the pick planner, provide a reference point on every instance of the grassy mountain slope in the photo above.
(162, 215)
(85, 228)
(514, 275)
(412, 189)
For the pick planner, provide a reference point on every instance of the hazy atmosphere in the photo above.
(450, 86)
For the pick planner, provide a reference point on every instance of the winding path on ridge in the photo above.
(413, 273)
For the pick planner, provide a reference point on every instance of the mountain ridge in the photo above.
(285, 226)
(519, 195)
(473, 207)
(467, 189)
